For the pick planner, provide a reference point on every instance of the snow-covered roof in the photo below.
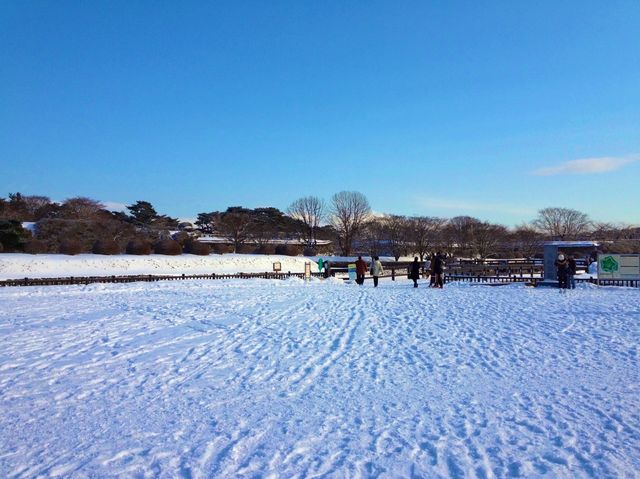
(572, 244)
(221, 239)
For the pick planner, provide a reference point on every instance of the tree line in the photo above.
(345, 222)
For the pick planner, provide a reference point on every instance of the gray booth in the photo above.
(551, 251)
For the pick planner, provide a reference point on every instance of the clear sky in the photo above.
(490, 109)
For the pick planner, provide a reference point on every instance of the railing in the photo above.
(71, 280)
(491, 279)
(495, 280)
(484, 270)
(631, 283)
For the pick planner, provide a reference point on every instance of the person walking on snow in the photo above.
(562, 267)
(361, 270)
(431, 272)
(327, 269)
(437, 267)
(414, 274)
(376, 270)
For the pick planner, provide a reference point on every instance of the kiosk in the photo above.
(551, 250)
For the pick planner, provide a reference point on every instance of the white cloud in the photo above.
(114, 206)
(472, 206)
(586, 166)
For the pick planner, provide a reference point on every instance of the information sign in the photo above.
(352, 272)
(619, 266)
(307, 270)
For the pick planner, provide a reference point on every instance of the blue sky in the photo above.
(491, 109)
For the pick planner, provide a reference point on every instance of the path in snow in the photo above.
(246, 378)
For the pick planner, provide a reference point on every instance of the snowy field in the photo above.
(275, 378)
(19, 265)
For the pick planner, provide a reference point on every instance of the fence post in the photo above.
(393, 274)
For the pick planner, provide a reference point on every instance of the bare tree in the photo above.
(28, 208)
(486, 238)
(36, 205)
(349, 213)
(459, 232)
(80, 208)
(527, 241)
(562, 223)
(235, 224)
(309, 211)
(374, 234)
(397, 234)
(424, 234)
(607, 231)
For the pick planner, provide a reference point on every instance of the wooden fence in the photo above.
(631, 283)
(483, 279)
(144, 278)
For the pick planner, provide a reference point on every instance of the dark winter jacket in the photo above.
(415, 270)
(361, 267)
(437, 265)
(572, 266)
(327, 269)
(562, 266)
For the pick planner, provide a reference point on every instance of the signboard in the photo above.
(619, 266)
(307, 270)
(352, 272)
(277, 267)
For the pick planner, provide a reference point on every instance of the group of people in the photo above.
(433, 267)
(566, 268)
(375, 269)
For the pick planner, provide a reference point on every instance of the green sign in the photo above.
(619, 266)
(609, 265)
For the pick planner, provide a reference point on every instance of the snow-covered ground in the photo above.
(260, 378)
(16, 265)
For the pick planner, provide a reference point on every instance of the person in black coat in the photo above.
(437, 266)
(327, 269)
(414, 273)
(562, 267)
